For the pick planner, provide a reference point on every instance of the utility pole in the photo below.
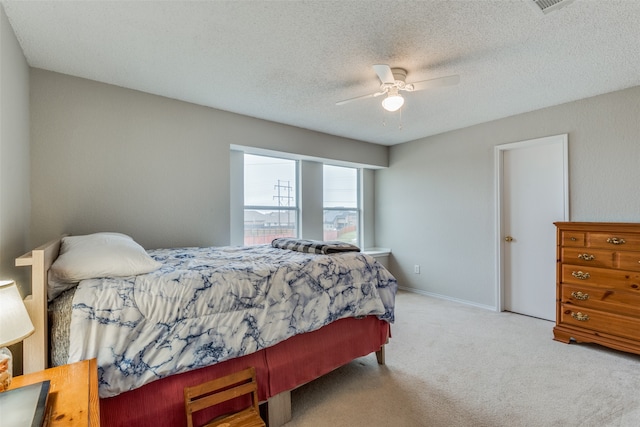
(280, 186)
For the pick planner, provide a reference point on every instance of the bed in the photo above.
(312, 345)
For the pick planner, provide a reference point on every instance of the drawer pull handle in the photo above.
(580, 317)
(615, 241)
(580, 275)
(587, 257)
(573, 239)
(580, 296)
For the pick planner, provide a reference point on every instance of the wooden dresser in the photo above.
(598, 284)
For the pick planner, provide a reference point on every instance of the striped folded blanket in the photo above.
(314, 246)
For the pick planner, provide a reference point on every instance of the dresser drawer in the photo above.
(602, 299)
(629, 260)
(619, 241)
(573, 238)
(601, 277)
(600, 321)
(588, 257)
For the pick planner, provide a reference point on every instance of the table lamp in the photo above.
(15, 325)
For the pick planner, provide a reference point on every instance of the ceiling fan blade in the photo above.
(384, 73)
(438, 82)
(371, 95)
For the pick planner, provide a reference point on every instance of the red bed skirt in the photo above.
(283, 367)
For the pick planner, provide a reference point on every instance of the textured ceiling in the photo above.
(291, 61)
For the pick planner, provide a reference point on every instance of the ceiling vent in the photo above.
(548, 6)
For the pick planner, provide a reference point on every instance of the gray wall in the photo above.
(108, 158)
(435, 204)
(14, 155)
(14, 165)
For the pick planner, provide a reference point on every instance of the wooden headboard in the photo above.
(36, 347)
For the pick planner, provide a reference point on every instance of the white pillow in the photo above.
(97, 255)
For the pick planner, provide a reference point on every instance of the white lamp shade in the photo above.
(393, 102)
(15, 324)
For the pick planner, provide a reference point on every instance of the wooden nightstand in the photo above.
(73, 395)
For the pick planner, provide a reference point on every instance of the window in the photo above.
(341, 206)
(272, 204)
(270, 199)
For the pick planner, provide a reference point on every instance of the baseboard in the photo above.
(448, 298)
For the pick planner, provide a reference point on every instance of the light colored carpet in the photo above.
(449, 364)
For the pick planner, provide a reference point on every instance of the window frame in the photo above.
(310, 194)
(357, 209)
(295, 209)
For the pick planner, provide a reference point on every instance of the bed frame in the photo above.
(279, 369)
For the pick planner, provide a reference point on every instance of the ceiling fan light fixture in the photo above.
(392, 81)
(393, 102)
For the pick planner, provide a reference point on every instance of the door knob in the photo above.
(508, 239)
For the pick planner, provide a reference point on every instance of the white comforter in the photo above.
(206, 305)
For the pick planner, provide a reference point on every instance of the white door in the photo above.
(533, 195)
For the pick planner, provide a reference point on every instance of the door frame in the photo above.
(499, 151)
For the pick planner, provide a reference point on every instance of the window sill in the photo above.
(375, 252)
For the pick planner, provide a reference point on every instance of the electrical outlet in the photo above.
(416, 269)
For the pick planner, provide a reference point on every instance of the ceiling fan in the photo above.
(393, 81)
